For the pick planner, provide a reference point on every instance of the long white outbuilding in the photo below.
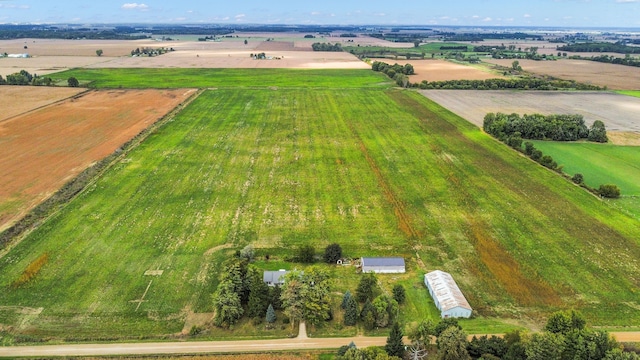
(447, 295)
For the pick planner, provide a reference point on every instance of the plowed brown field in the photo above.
(616, 77)
(43, 149)
(15, 100)
(440, 70)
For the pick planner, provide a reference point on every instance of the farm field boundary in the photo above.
(91, 132)
(226, 78)
(279, 168)
(601, 164)
(618, 112)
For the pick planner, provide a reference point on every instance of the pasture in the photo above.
(380, 171)
(45, 148)
(601, 164)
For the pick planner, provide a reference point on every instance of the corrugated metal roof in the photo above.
(391, 261)
(274, 277)
(446, 290)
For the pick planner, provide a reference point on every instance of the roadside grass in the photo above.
(601, 164)
(635, 93)
(381, 172)
(224, 78)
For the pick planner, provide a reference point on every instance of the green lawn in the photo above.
(380, 171)
(224, 78)
(601, 164)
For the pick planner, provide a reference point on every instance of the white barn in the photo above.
(447, 295)
(392, 265)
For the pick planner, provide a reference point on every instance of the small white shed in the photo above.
(447, 295)
(383, 265)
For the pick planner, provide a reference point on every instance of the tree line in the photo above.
(627, 61)
(617, 47)
(564, 337)
(23, 77)
(501, 127)
(500, 84)
(556, 127)
(337, 47)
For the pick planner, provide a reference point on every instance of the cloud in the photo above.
(627, 1)
(314, 13)
(526, 15)
(487, 19)
(135, 6)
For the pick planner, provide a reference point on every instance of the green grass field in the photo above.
(223, 78)
(635, 93)
(380, 171)
(601, 164)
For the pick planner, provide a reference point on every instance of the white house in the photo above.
(391, 265)
(447, 295)
(273, 278)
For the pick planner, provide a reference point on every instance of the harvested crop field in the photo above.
(45, 148)
(240, 58)
(15, 100)
(618, 112)
(59, 47)
(440, 70)
(614, 77)
(43, 65)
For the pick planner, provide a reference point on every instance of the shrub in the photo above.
(578, 178)
(609, 191)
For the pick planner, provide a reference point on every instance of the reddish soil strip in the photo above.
(44, 149)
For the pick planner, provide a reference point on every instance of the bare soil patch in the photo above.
(616, 77)
(620, 113)
(43, 65)
(441, 70)
(45, 148)
(624, 138)
(279, 46)
(15, 100)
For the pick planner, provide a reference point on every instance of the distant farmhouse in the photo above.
(273, 278)
(18, 56)
(383, 265)
(447, 295)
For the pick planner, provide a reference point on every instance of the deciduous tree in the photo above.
(452, 344)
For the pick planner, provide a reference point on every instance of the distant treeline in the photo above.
(601, 47)
(485, 36)
(628, 61)
(337, 47)
(21, 32)
(543, 127)
(449, 47)
(499, 84)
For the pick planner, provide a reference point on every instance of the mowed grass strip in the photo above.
(225, 78)
(634, 93)
(283, 168)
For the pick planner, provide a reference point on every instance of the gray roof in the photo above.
(446, 290)
(383, 261)
(274, 277)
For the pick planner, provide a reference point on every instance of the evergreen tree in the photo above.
(271, 315)
(366, 287)
(345, 300)
(452, 344)
(399, 293)
(351, 312)
(258, 293)
(394, 346)
(227, 305)
(274, 297)
(368, 315)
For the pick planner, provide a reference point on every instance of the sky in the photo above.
(551, 13)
